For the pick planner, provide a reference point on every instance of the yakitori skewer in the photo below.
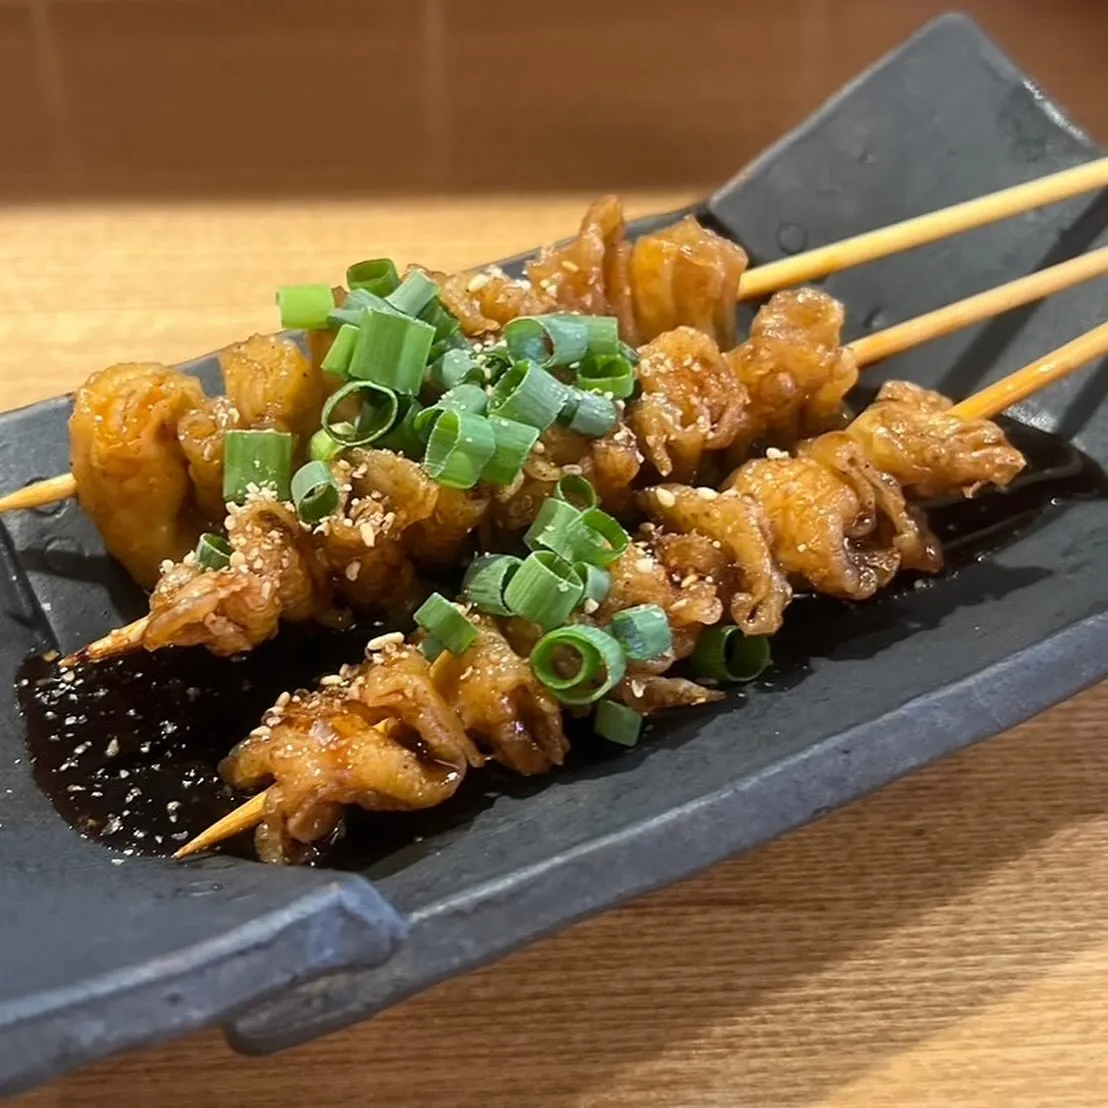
(901, 337)
(920, 230)
(986, 404)
(868, 350)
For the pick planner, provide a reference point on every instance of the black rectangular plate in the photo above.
(97, 957)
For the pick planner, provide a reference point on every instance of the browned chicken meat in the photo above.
(274, 574)
(910, 433)
(681, 275)
(394, 733)
(201, 433)
(132, 474)
(794, 369)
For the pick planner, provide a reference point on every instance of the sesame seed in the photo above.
(706, 493)
(638, 688)
(112, 748)
(393, 638)
(477, 282)
(330, 681)
(775, 454)
(368, 535)
(644, 565)
(590, 605)
(665, 498)
(352, 570)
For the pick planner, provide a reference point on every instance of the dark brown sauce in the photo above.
(127, 751)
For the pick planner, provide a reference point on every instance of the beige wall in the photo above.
(281, 96)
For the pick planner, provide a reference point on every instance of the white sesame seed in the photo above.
(706, 493)
(369, 536)
(330, 681)
(477, 282)
(352, 570)
(392, 638)
(644, 565)
(665, 498)
(590, 605)
(775, 454)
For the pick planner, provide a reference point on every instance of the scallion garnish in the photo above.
(594, 416)
(595, 537)
(548, 340)
(485, 582)
(617, 723)
(551, 528)
(306, 306)
(454, 368)
(413, 294)
(643, 631)
(627, 351)
(603, 334)
(514, 443)
(544, 590)
(212, 551)
(529, 395)
(404, 438)
(442, 621)
(495, 361)
(376, 275)
(579, 664)
(337, 359)
(598, 582)
(576, 490)
(256, 458)
(392, 351)
(459, 448)
(323, 448)
(610, 375)
(378, 415)
(357, 303)
(314, 491)
(446, 324)
(726, 654)
(431, 648)
(461, 398)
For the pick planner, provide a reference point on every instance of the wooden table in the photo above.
(943, 943)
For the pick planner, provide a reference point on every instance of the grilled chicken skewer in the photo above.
(303, 749)
(665, 266)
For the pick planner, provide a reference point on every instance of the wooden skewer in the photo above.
(120, 641)
(243, 818)
(1002, 394)
(40, 493)
(923, 229)
(964, 313)
(989, 402)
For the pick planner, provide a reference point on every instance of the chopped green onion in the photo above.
(323, 448)
(496, 361)
(594, 415)
(544, 590)
(603, 334)
(392, 351)
(726, 654)
(380, 409)
(569, 406)
(548, 340)
(414, 293)
(529, 395)
(256, 458)
(357, 303)
(551, 526)
(442, 621)
(337, 359)
(609, 375)
(431, 648)
(403, 438)
(598, 667)
(213, 551)
(595, 537)
(456, 367)
(576, 490)
(617, 723)
(314, 491)
(598, 582)
(446, 324)
(643, 631)
(459, 448)
(462, 398)
(514, 443)
(306, 306)
(485, 582)
(376, 275)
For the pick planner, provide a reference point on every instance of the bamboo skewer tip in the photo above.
(244, 818)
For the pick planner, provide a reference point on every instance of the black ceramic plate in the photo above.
(97, 956)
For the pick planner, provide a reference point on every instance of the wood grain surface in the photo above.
(943, 943)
